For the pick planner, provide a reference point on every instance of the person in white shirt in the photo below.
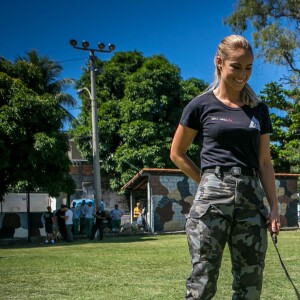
(82, 216)
(75, 211)
(69, 222)
(88, 220)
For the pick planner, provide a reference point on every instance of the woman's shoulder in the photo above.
(261, 106)
(201, 100)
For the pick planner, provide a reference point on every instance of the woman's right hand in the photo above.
(182, 140)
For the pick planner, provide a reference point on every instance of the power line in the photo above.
(70, 60)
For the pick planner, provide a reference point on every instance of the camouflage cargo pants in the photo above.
(227, 209)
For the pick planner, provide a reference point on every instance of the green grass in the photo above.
(134, 267)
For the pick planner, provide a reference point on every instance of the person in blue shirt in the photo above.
(116, 215)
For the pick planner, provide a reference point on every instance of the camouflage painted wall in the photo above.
(286, 188)
(172, 197)
(14, 224)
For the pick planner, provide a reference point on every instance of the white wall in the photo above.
(17, 202)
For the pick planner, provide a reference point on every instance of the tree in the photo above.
(276, 25)
(31, 143)
(111, 78)
(285, 118)
(140, 101)
(44, 78)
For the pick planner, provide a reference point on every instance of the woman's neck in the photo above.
(229, 98)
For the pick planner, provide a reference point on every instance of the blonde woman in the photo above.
(233, 127)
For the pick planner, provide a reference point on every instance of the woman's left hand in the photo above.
(274, 222)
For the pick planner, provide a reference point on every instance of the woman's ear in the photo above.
(219, 62)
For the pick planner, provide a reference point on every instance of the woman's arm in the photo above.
(182, 140)
(267, 178)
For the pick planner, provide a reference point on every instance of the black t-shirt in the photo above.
(48, 216)
(100, 213)
(229, 136)
(60, 221)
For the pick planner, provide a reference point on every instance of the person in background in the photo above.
(116, 215)
(144, 214)
(88, 221)
(68, 217)
(233, 126)
(100, 216)
(75, 218)
(83, 207)
(61, 223)
(49, 220)
(137, 211)
(102, 205)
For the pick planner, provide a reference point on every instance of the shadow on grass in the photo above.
(23, 243)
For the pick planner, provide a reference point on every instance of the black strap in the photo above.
(274, 239)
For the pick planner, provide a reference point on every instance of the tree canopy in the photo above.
(140, 100)
(276, 34)
(32, 146)
(276, 25)
(285, 148)
(45, 79)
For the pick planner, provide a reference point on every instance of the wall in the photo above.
(14, 225)
(288, 198)
(13, 216)
(13, 212)
(172, 197)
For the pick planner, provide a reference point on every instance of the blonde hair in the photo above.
(228, 45)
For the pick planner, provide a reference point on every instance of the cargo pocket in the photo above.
(199, 209)
(263, 210)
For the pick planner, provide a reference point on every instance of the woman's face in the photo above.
(236, 69)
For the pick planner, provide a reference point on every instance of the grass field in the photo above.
(134, 267)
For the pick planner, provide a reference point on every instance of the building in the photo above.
(82, 173)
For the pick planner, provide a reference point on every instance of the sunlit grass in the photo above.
(134, 267)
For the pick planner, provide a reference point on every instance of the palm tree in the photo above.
(47, 79)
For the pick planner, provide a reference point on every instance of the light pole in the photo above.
(92, 94)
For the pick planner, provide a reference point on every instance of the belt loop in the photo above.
(217, 171)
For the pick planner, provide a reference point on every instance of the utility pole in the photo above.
(92, 94)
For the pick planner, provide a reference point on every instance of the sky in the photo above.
(186, 32)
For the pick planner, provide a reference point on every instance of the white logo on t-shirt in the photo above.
(254, 124)
(221, 119)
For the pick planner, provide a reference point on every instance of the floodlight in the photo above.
(85, 44)
(73, 43)
(101, 46)
(111, 47)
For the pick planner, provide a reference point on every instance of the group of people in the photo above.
(85, 220)
(64, 218)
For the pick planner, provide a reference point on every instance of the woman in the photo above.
(233, 126)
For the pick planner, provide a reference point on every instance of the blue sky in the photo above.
(185, 32)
